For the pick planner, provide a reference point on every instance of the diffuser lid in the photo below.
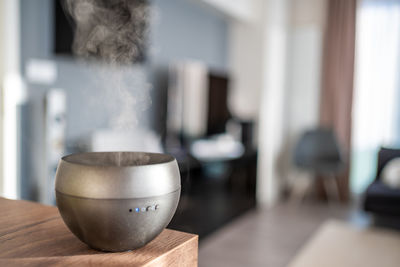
(117, 175)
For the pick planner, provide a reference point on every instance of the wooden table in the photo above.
(35, 235)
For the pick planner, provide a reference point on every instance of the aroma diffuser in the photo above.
(117, 201)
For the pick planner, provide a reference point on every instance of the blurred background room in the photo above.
(283, 115)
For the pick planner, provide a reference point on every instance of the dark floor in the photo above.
(271, 237)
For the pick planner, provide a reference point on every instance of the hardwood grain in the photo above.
(35, 235)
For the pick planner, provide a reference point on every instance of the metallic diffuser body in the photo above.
(117, 201)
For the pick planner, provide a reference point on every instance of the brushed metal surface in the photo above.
(113, 224)
(97, 175)
(98, 194)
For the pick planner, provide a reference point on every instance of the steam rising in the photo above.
(126, 95)
(113, 30)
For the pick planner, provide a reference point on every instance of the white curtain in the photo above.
(376, 92)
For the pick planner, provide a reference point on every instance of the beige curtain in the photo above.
(337, 78)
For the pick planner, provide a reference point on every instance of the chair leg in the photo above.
(331, 188)
(336, 186)
(300, 189)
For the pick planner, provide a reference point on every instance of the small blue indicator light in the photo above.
(137, 209)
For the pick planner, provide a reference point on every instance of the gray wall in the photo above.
(182, 29)
(185, 29)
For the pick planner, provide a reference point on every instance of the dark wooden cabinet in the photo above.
(214, 193)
